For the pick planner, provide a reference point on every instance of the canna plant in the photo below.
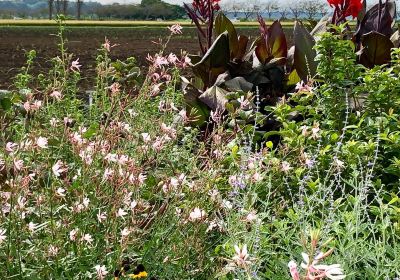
(229, 67)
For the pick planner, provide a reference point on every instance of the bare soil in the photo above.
(84, 42)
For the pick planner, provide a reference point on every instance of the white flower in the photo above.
(86, 202)
(88, 238)
(133, 204)
(32, 226)
(60, 192)
(227, 204)
(121, 213)
(54, 122)
(101, 216)
(333, 271)
(338, 163)
(285, 167)
(42, 142)
(2, 235)
(72, 234)
(59, 168)
(101, 271)
(252, 216)
(197, 214)
(146, 137)
(111, 157)
(175, 29)
(125, 232)
(241, 258)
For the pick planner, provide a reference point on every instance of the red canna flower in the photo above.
(345, 8)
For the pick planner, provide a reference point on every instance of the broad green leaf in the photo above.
(5, 103)
(293, 79)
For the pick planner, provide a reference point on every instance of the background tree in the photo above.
(51, 5)
(313, 8)
(295, 8)
(79, 8)
(58, 7)
(65, 7)
(283, 11)
(271, 6)
(235, 7)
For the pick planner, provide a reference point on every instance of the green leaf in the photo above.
(92, 130)
(5, 103)
(304, 53)
(197, 112)
(376, 49)
(293, 79)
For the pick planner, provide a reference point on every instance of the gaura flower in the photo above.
(41, 142)
(175, 29)
(2, 235)
(197, 214)
(75, 66)
(101, 271)
(241, 258)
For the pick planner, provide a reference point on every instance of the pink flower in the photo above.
(160, 61)
(125, 232)
(293, 270)
(121, 213)
(101, 216)
(175, 29)
(172, 58)
(197, 214)
(107, 45)
(56, 95)
(18, 164)
(11, 147)
(155, 89)
(115, 88)
(72, 234)
(75, 66)
(302, 87)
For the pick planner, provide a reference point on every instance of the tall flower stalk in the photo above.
(202, 13)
